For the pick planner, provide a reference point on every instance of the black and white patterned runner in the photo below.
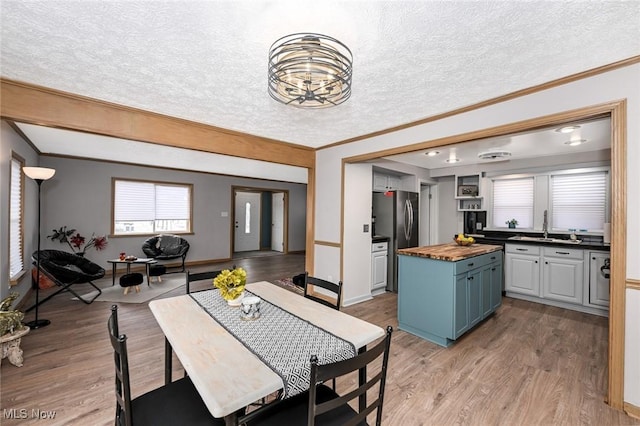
(280, 339)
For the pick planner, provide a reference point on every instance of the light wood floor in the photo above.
(528, 364)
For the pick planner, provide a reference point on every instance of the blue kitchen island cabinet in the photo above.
(445, 290)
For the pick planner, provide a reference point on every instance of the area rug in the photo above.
(116, 293)
(289, 285)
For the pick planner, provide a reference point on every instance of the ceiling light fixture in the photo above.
(452, 160)
(309, 70)
(432, 153)
(567, 129)
(494, 155)
(576, 142)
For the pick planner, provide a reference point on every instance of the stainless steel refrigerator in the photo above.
(396, 217)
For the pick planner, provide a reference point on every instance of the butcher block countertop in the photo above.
(450, 252)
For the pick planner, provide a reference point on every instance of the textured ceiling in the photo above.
(206, 61)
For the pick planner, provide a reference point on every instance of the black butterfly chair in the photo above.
(166, 247)
(66, 270)
(321, 405)
(176, 403)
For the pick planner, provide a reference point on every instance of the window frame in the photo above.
(188, 186)
(14, 279)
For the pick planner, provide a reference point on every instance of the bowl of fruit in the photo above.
(461, 240)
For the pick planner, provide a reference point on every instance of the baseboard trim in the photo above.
(632, 410)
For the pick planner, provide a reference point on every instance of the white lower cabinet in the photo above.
(563, 277)
(522, 269)
(559, 276)
(379, 267)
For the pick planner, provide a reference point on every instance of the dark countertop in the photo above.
(379, 238)
(450, 252)
(497, 237)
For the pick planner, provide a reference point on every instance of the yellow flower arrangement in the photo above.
(231, 283)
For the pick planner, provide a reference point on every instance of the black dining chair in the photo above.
(321, 405)
(176, 403)
(335, 289)
(201, 276)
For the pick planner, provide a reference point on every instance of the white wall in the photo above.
(357, 207)
(623, 83)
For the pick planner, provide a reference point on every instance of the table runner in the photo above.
(282, 340)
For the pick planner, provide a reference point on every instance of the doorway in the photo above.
(259, 225)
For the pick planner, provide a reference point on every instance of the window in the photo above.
(247, 218)
(150, 207)
(16, 218)
(513, 199)
(578, 201)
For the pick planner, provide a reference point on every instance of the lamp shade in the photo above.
(39, 173)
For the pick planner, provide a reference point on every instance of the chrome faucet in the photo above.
(545, 225)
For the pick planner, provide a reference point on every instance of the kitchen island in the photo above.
(445, 290)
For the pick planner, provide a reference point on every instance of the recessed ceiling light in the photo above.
(452, 160)
(567, 129)
(432, 153)
(576, 142)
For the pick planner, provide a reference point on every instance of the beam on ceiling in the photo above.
(33, 104)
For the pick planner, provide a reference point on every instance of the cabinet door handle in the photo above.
(493, 269)
(470, 278)
(546, 263)
(470, 264)
(536, 261)
(521, 249)
(562, 252)
(493, 258)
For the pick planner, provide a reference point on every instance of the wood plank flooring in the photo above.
(528, 364)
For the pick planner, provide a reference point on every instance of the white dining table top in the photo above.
(227, 375)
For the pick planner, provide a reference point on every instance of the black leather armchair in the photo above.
(166, 247)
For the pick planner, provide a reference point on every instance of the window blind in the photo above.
(147, 207)
(172, 202)
(513, 199)
(16, 263)
(134, 201)
(578, 201)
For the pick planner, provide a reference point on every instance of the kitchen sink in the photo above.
(544, 240)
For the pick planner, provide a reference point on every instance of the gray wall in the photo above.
(79, 196)
(11, 142)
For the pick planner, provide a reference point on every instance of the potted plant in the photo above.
(231, 284)
(512, 223)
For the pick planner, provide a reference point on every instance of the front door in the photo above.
(247, 221)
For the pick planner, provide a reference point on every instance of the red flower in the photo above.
(77, 241)
(100, 242)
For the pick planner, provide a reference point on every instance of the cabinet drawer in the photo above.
(562, 252)
(522, 249)
(379, 246)
(465, 265)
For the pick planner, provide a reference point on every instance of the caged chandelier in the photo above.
(310, 70)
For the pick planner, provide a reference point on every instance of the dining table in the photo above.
(230, 370)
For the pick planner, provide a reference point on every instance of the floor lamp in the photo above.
(39, 174)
